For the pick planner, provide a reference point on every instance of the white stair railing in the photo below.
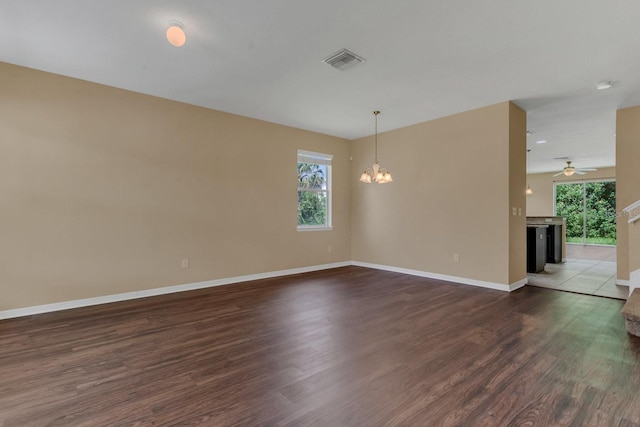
(632, 212)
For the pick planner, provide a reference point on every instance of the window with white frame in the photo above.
(314, 191)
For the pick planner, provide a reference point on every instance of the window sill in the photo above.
(315, 228)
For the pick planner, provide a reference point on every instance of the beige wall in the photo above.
(517, 188)
(104, 191)
(540, 203)
(450, 195)
(627, 188)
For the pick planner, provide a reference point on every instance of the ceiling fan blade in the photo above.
(559, 173)
(579, 172)
(587, 169)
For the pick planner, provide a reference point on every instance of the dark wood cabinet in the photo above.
(554, 244)
(536, 248)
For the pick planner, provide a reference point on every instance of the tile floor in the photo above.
(588, 270)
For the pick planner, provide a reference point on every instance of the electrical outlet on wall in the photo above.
(185, 263)
(456, 257)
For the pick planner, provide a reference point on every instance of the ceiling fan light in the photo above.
(569, 172)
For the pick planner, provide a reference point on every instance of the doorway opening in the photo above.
(589, 208)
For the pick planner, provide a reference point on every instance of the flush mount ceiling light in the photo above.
(604, 85)
(376, 173)
(542, 141)
(175, 33)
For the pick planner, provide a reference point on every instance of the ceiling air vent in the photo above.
(343, 59)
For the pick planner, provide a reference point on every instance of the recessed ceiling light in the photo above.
(542, 141)
(175, 33)
(604, 85)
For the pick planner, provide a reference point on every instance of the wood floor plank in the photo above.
(343, 347)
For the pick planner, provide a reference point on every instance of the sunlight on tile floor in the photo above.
(585, 276)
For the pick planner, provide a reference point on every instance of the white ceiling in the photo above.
(425, 59)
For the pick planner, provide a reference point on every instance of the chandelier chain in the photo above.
(375, 113)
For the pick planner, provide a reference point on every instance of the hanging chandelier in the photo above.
(376, 173)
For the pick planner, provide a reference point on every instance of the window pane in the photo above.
(569, 204)
(595, 201)
(312, 208)
(312, 175)
(314, 190)
(601, 212)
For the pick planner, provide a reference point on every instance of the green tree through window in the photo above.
(314, 205)
(590, 211)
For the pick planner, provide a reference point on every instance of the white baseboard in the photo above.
(519, 284)
(86, 302)
(455, 279)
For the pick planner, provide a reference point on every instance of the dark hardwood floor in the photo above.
(344, 347)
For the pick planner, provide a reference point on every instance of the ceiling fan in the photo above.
(570, 170)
